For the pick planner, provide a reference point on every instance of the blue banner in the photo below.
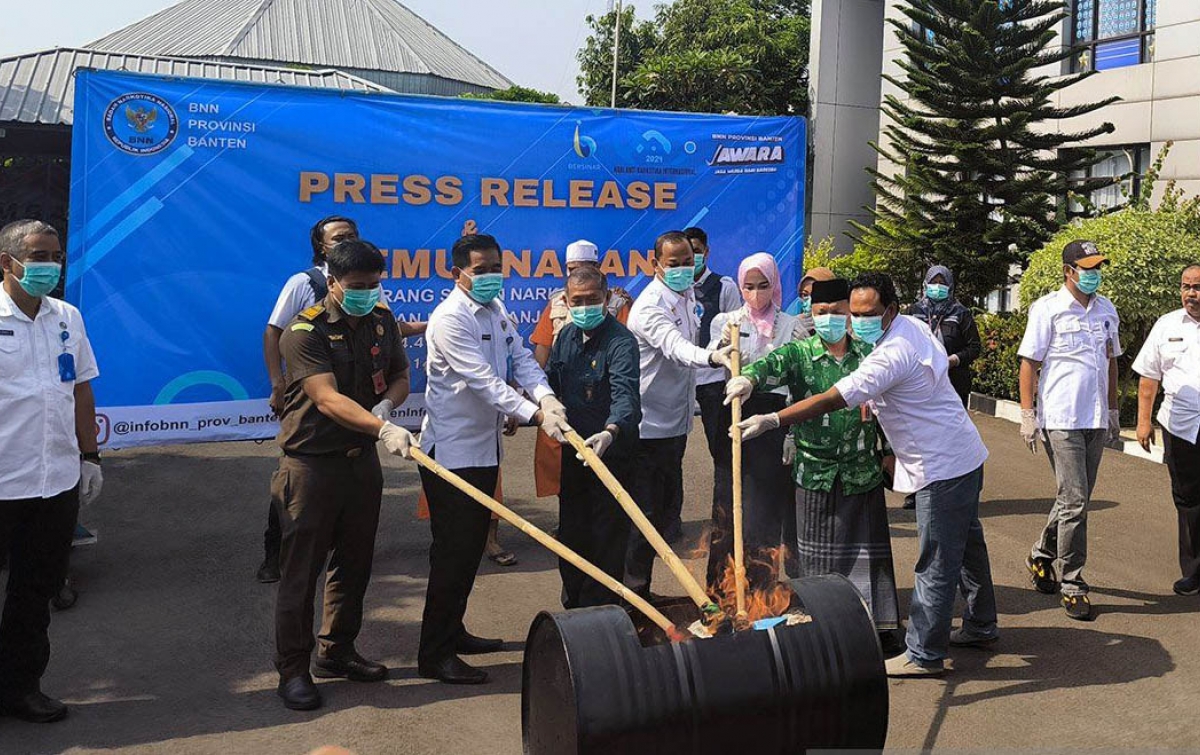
(192, 200)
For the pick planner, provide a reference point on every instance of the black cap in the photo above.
(827, 292)
(1083, 254)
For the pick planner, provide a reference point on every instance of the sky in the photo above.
(532, 42)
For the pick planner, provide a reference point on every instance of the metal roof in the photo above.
(40, 87)
(360, 34)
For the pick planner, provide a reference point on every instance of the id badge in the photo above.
(378, 382)
(66, 367)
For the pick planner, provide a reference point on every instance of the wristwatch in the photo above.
(92, 456)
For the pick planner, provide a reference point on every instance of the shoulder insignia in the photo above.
(305, 326)
(384, 307)
(312, 312)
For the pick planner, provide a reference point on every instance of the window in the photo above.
(1112, 33)
(1121, 168)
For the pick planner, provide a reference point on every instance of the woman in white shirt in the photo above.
(767, 492)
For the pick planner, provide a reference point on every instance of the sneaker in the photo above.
(964, 639)
(1041, 574)
(902, 666)
(1187, 586)
(1078, 607)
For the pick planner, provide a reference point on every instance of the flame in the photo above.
(766, 596)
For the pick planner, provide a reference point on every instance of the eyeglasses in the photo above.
(1186, 287)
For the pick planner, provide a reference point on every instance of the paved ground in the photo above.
(168, 650)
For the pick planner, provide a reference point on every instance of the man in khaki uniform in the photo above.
(346, 370)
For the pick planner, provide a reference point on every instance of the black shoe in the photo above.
(469, 644)
(891, 641)
(34, 707)
(299, 693)
(353, 667)
(65, 598)
(1078, 607)
(1041, 574)
(268, 572)
(910, 502)
(453, 670)
(1187, 586)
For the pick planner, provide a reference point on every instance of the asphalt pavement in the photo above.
(169, 647)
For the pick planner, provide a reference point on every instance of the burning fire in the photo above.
(766, 596)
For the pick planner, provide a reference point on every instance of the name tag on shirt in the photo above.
(66, 368)
(6, 333)
(1070, 326)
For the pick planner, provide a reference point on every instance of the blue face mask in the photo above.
(1089, 281)
(486, 286)
(831, 328)
(40, 278)
(805, 305)
(358, 302)
(679, 279)
(588, 316)
(937, 291)
(868, 329)
(697, 264)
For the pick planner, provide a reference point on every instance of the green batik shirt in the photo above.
(835, 445)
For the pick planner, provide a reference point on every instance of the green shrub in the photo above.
(997, 367)
(849, 265)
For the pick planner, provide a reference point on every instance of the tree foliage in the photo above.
(744, 56)
(516, 93)
(980, 158)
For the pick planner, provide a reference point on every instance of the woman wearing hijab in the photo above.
(805, 292)
(840, 460)
(766, 484)
(952, 324)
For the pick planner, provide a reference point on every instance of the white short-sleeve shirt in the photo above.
(752, 344)
(1171, 355)
(37, 433)
(907, 377)
(1073, 344)
(297, 295)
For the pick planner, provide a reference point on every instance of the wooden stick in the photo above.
(693, 588)
(739, 555)
(558, 548)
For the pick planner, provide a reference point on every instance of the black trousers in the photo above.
(329, 512)
(711, 398)
(36, 535)
(272, 534)
(1183, 463)
(768, 498)
(591, 522)
(459, 526)
(658, 474)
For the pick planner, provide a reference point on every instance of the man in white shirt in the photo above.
(665, 323)
(939, 456)
(48, 443)
(472, 344)
(1171, 358)
(715, 294)
(1072, 339)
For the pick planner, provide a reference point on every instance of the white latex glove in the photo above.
(757, 425)
(954, 360)
(1114, 425)
(551, 405)
(1029, 429)
(738, 387)
(397, 440)
(789, 452)
(555, 425)
(722, 357)
(383, 409)
(599, 443)
(91, 479)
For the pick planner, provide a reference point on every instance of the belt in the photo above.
(350, 453)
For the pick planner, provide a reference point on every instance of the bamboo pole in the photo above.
(739, 554)
(690, 585)
(556, 547)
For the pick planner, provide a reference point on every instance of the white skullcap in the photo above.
(582, 251)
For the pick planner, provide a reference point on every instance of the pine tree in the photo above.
(981, 161)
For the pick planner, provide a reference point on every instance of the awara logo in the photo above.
(726, 155)
(585, 146)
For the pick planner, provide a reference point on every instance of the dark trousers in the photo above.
(1183, 463)
(459, 526)
(329, 510)
(768, 498)
(658, 474)
(591, 522)
(272, 534)
(35, 533)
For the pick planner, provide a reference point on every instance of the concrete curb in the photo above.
(1011, 411)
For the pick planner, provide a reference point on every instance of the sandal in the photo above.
(503, 558)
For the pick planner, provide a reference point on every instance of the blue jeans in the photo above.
(952, 554)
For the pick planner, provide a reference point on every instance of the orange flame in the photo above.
(766, 596)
